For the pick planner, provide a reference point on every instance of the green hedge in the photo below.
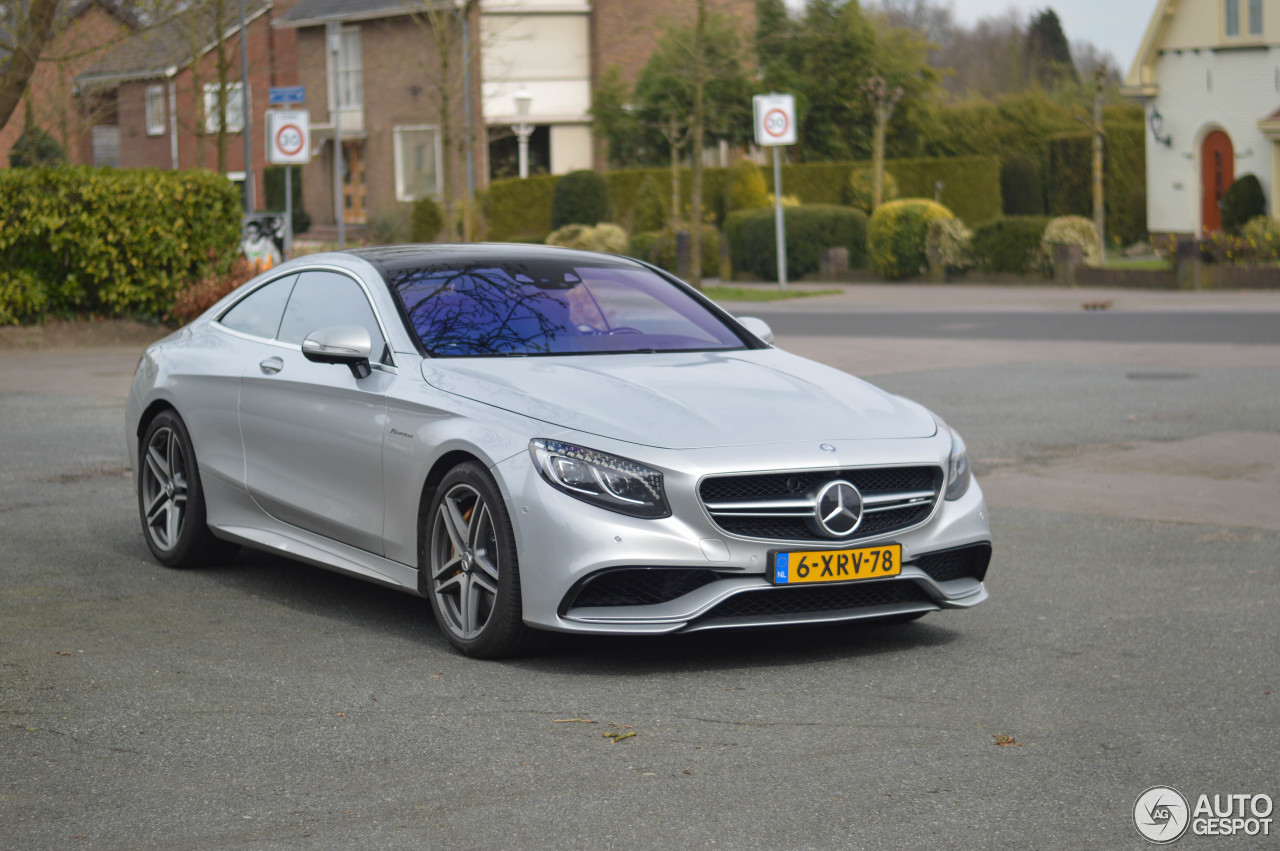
(1069, 178)
(520, 208)
(810, 229)
(110, 242)
(971, 189)
(1010, 244)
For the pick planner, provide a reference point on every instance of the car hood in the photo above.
(686, 400)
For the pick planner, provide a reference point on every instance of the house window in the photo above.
(417, 150)
(347, 77)
(235, 108)
(1255, 17)
(155, 110)
(1231, 12)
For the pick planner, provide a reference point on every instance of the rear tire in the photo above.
(170, 498)
(470, 570)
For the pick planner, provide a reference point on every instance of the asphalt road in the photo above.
(1130, 640)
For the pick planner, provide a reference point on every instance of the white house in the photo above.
(1208, 72)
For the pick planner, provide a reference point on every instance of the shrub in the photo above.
(581, 198)
(1262, 235)
(608, 238)
(809, 230)
(1073, 230)
(111, 242)
(389, 226)
(950, 241)
(641, 245)
(746, 189)
(896, 236)
(663, 251)
(1011, 244)
(859, 194)
(651, 208)
(35, 149)
(1242, 202)
(427, 220)
(1020, 187)
(205, 293)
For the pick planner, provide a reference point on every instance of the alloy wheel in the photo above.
(164, 488)
(464, 561)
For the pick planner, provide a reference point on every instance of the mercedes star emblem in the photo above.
(838, 509)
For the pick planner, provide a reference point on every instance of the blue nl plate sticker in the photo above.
(780, 568)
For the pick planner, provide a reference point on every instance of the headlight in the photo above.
(608, 481)
(958, 475)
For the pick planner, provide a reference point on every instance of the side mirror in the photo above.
(345, 344)
(758, 327)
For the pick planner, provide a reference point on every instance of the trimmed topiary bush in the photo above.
(1242, 202)
(1073, 230)
(1020, 187)
(608, 238)
(896, 235)
(859, 194)
(810, 229)
(746, 189)
(1011, 244)
(651, 208)
(581, 198)
(427, 220)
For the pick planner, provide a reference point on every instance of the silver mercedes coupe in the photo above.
(537, 439)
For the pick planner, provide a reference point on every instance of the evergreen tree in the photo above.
(1049, 60)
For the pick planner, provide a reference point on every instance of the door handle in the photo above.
(271, 366)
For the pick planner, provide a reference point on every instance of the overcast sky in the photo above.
(1115, 26)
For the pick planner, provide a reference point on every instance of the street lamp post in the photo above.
(523, 129)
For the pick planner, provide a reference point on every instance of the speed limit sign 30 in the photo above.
(288, 136)
(775, 119)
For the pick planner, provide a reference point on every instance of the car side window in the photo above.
(325, 299)
(259, 312)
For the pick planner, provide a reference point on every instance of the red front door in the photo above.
(1217, 172)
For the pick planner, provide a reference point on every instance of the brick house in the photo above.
(157, 92)
(85, 31)
(556, 50)
(388, 96)
(1207, 73)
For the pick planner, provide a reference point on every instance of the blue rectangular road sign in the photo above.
(287, 95)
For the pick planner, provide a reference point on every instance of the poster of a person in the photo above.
(258, 246)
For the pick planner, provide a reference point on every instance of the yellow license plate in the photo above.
(837, 565)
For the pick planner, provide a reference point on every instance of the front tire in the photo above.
(170, 498)
(470, 569)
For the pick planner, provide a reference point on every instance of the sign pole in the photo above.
(775, 120)
(779, 228)
(288, 210)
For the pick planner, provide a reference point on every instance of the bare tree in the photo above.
(25, 29)
(445, 23)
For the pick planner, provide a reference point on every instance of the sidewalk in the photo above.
(1001, 297)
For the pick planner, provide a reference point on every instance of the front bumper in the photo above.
(564, 543)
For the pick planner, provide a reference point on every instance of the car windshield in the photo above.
(553, 307)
